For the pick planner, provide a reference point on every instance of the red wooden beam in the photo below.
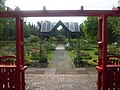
(58, 13)
(7, 56)
(113, 56)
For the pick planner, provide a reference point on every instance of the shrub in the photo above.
(112, 50)
(84, 44)
(96, 52)
(28, 60)
(33, 39)
(69, 48)
(93, 62)
(79, 62)
(43, 59)
(85, 55)
(34, 58)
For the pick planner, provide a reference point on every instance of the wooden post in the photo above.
(99, 51)
(22, 52)
(104, 52)
(22, 41)
(18, 55)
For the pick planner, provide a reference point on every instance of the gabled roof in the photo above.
(47, 27)
(57, 25)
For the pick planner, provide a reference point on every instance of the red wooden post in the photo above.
(99, 51)
(18, 54)
(22, 52)
(100, 41)
(104, 52)
(22, 40)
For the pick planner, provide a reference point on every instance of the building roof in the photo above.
(48, 27)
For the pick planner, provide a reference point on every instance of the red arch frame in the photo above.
(102, 39)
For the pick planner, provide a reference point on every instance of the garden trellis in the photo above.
(12, 69)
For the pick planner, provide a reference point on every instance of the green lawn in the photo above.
(92, 53)
(50, 55)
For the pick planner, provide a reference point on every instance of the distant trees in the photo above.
(114, 26)
(7, 26)
(2, 5)
(3, 22)
(90, 29)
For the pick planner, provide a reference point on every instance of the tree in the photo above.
(2, 5)
(2, 21)
(114, 26)
(90, 28)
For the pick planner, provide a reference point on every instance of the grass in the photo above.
(71, 54)
(92, 53)
(50, 55)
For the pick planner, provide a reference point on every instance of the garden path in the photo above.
(61, 61)
(62, 75)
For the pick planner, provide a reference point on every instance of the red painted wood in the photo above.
(22, 40)
(58, 13)
(10, 78)
(3, 57)
(99, 68)
(104, 53)
(8, 66)
(107, 74)
(0, 79)
(113, 66)
(18, 55)
(100, 41)
(5, 67)
(23, 80)
(23, 68)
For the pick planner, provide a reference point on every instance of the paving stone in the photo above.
(50, 71)
(63, 82)
(65, 71)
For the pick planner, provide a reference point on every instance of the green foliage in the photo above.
(114, 28)
(50, 55)
(96, 52)
(28, 59)
(79, 62)
(43, 59)
(90, 28)
(69, 48)
(2, 5)
(33, 39)
(93, 62)
(84, 44)
(85, 55)
(8, 50)
(113, 50)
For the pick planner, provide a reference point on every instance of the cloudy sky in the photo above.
(62, 5)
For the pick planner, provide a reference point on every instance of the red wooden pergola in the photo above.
(12, 68)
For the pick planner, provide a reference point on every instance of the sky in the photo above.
(61, 5)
